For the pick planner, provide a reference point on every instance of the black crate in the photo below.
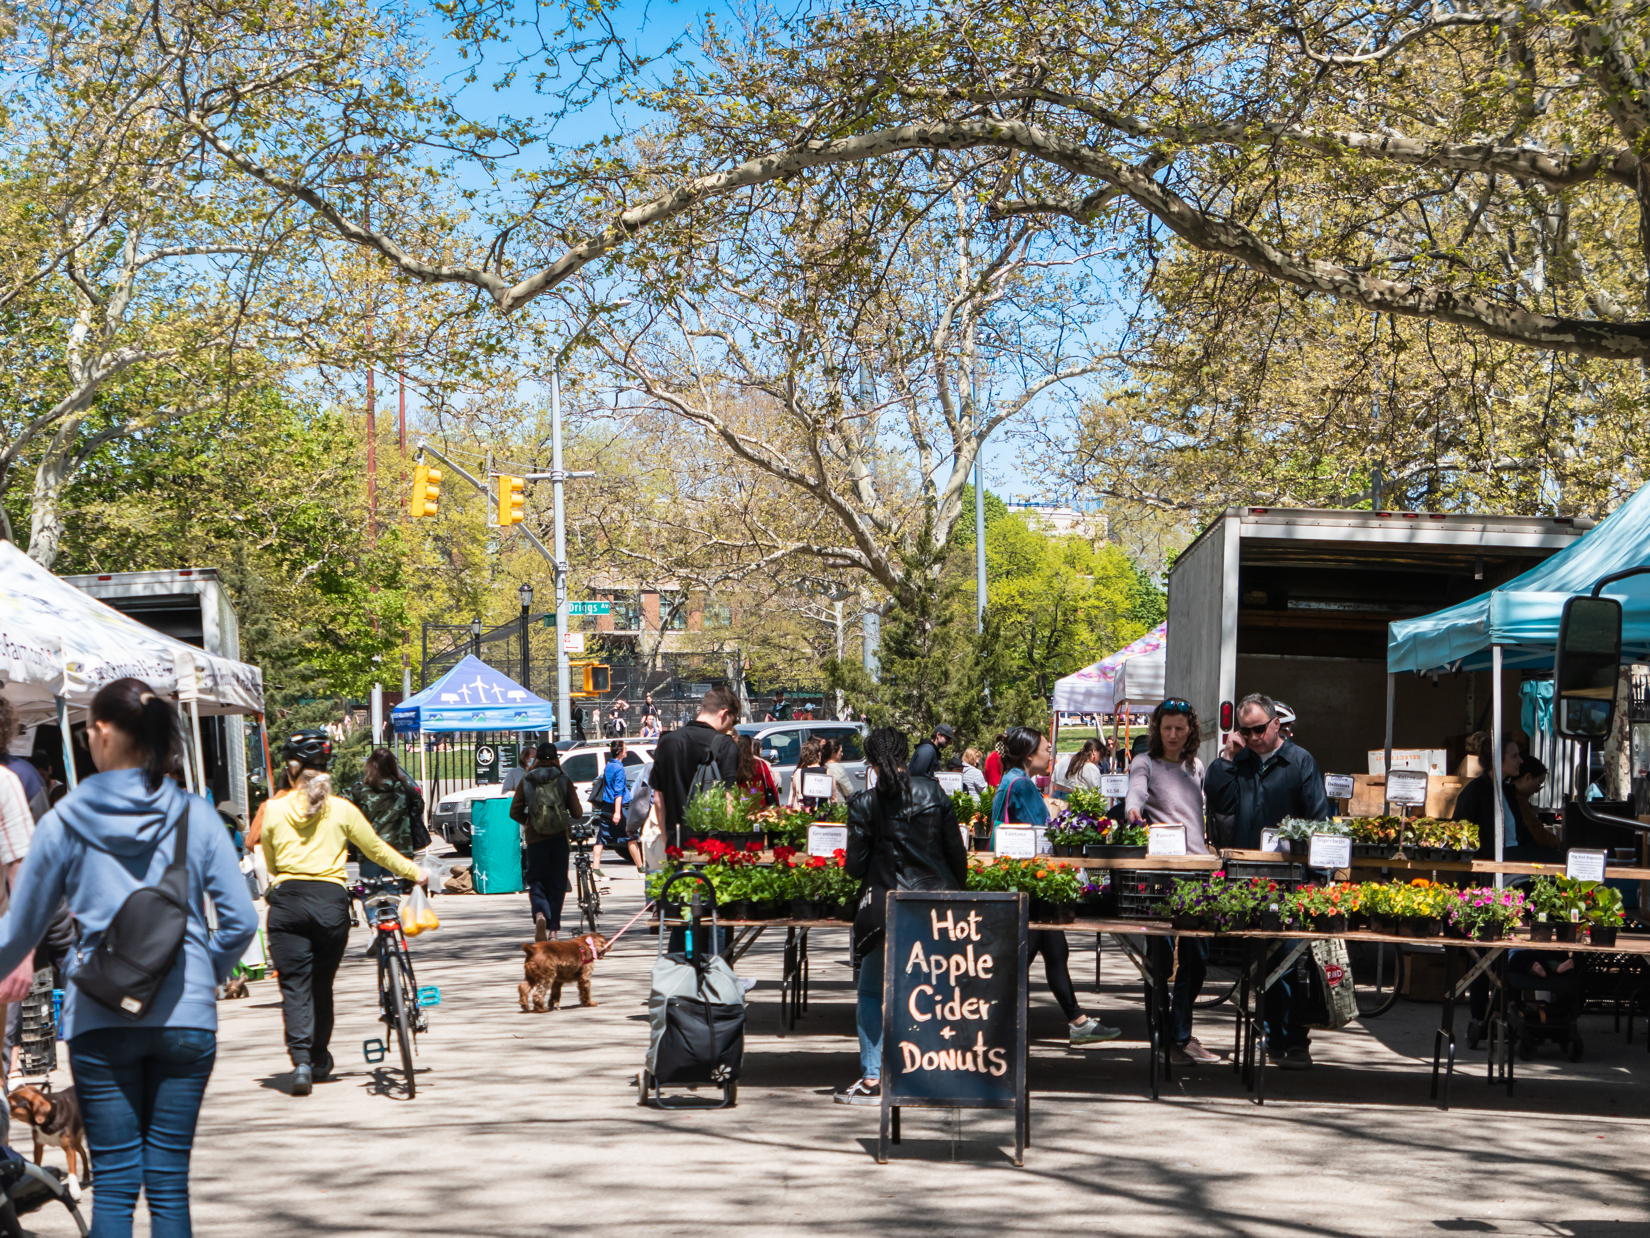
(37, 1029)
(1288, 876)
(1142, 894)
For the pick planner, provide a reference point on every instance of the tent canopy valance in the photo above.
(1134, 674)
(56, 641)
(473, 697)
(1522, 615)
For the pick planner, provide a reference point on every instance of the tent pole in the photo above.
(68, 745)
(424, 771)
(269, 768)
(1498, 740)
(200, 754)
(1391, 710)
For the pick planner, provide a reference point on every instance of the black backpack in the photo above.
(547, 812)
(138, 949)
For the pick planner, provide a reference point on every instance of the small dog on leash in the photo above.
(53, 1118)
(234, 988)
(551, 964)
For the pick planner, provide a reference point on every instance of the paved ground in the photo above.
(527, 1125)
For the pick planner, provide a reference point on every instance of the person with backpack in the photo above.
(129, 847)
(305, 842)
(546, 804)
(392, 804)
(695, 757)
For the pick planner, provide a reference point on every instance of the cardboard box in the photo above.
(1424, 978)
(1442, 794)
(1431, 760)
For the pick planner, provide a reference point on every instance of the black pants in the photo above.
(1288, 1006)
(308, 931)
(1189, 975)
(1056, 952)
(547, 878)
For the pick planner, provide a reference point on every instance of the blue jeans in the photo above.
(140, 1091)
(868, 1014)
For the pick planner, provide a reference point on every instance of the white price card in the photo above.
(1406, 786)
(817, 786)
(1585, 865)
(950, 781)
(1338, 786)
(827, 839)
(1018, 842)
(1330, 851)
(1166, 840)
(1269, 841)
(1114, 786)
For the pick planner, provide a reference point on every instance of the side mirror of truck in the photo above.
(1589, 662)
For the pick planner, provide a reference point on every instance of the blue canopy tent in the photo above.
(1516, 623)
(473, 697)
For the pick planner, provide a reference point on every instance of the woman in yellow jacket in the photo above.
(304, 841)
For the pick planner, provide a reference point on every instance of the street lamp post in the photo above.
(475, 636)
(526, 595)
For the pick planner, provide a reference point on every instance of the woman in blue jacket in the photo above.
(140, 1080)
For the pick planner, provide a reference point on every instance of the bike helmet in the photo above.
(311, 749)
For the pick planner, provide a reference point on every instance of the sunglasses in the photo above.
(1256, 730)
(1177, 707)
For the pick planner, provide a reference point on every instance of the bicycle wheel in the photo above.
(1377, 974)
(1222, 972)
(590, 900)
(399, 1004)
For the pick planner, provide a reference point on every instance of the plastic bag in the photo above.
(418, 914)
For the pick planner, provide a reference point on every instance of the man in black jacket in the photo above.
(695, 755)
(1259, 779)
(925, 761)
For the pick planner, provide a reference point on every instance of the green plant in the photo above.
(1050, 880)
(1299, 829)
(1126, 836)
(1087, 800)
(719, 810)
(833, 813)
(1607, 907)
(1486, 911)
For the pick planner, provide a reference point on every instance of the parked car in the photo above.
(583, 764)
(780, 744)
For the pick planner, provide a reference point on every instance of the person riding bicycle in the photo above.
(546, 803)
(306, 835)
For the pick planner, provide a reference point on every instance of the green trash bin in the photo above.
(495, 847)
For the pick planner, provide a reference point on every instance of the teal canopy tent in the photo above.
(1521, 617)
(1516, 624)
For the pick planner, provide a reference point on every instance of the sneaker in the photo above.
(1092, 1032)
(322, 1072)
(1192, 1053)
(303, 1080)
(861, 1092)
(1298, 1058)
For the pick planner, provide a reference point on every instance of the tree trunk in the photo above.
(46, 510)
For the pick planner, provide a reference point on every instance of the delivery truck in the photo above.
(1295, 603)
(190, 605)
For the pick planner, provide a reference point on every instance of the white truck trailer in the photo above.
(1295, 603)
(190, 605)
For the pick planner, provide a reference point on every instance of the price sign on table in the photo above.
(1330, 851)
(1114, 786)
(817, 786)
(1016, 841)
(1406, 786)
(1166, 840)
(827, 839)
(1338, 786)
(1585, 865)
(1269, 841)
(950, 781)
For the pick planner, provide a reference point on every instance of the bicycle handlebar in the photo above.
(367, 886)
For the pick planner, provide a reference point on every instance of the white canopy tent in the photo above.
(1133, 674)
(58, 646)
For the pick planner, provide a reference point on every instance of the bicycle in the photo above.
(582, 834)
(399, 1009)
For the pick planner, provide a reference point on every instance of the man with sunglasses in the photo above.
(1260, 778)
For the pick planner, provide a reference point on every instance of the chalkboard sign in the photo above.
(954, 1007)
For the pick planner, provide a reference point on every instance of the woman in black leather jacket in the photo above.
(902, 835)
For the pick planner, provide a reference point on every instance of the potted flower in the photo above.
(1380, 903)
(1421, 908)
(1298, 831)
(1604, 915)
(1071, 831)
(1189, 901)
(718, 814)
(1487, 914)
(1325, 908)
(1375, 837)
(1122, 840)
(1546, 907)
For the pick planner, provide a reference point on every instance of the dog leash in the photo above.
(646, 907)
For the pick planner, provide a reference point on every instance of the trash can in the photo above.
(495, 847)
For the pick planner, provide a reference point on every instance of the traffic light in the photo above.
(426, 491)
(512, 500)
(597, 680)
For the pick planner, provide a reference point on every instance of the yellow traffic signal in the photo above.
(426, 491)
(598, 679)
(512, 500)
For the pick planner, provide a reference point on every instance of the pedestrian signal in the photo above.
(426, 491)
(512, 500)
(597, 680)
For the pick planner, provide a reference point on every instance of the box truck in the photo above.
(1295, 603)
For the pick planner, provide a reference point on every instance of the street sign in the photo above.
(572, 642)
(487, 763)
(590, 608)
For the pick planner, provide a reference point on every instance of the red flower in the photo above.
(753, 846)
(783, 853)
(816, 861)
(840, 856)
(673, 853)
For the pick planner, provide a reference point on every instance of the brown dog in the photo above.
(53, 1118)
(551, 964)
